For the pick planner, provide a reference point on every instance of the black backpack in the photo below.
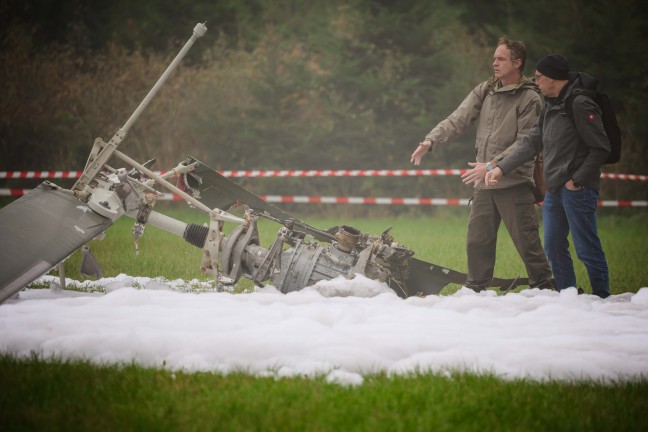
(589, 87)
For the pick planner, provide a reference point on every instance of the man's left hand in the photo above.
(476, 174)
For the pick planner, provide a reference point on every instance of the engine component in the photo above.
(305, 261)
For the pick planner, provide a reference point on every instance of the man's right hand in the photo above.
(423, 147)
(492, 176)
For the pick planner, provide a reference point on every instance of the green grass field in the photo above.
(64, 396)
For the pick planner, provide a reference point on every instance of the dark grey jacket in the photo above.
(572, 149)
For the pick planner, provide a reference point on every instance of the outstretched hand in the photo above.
(476, 174)
(423, 147)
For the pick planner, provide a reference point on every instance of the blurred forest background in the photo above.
(287, 84)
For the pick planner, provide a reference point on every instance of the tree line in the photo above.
(294, 85)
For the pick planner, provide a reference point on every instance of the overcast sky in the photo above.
(340, 329)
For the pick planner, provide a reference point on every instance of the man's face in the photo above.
(544, 84)
(503, 67)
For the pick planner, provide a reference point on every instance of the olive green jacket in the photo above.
(506, 115)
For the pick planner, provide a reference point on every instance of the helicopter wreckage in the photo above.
(41, 229)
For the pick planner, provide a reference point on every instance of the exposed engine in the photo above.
(294, 261)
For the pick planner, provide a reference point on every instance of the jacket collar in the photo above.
(523, 82)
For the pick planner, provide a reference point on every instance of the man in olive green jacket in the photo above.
(507, 107)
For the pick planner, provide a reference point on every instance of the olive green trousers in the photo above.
(514, 206)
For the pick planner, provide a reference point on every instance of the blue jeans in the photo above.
(574, 211)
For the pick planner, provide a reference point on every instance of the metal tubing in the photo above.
(167, 223)
(104, 155)
(220, 214)
(198, 31)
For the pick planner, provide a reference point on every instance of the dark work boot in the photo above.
(549, 284)
(475, 286)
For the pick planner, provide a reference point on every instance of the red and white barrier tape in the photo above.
(299, 173)
(635, 177)
(39, 174)
(342, 173)
(363, 200)
(299, 199)
(256, 173)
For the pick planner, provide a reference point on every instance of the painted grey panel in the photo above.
(39, 230)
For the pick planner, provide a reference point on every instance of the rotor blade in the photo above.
(430, 279)
(426, 279)
(218, 191)
(38, 231)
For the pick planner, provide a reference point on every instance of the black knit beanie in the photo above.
(554, 67)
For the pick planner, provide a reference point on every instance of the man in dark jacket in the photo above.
(574, 150)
